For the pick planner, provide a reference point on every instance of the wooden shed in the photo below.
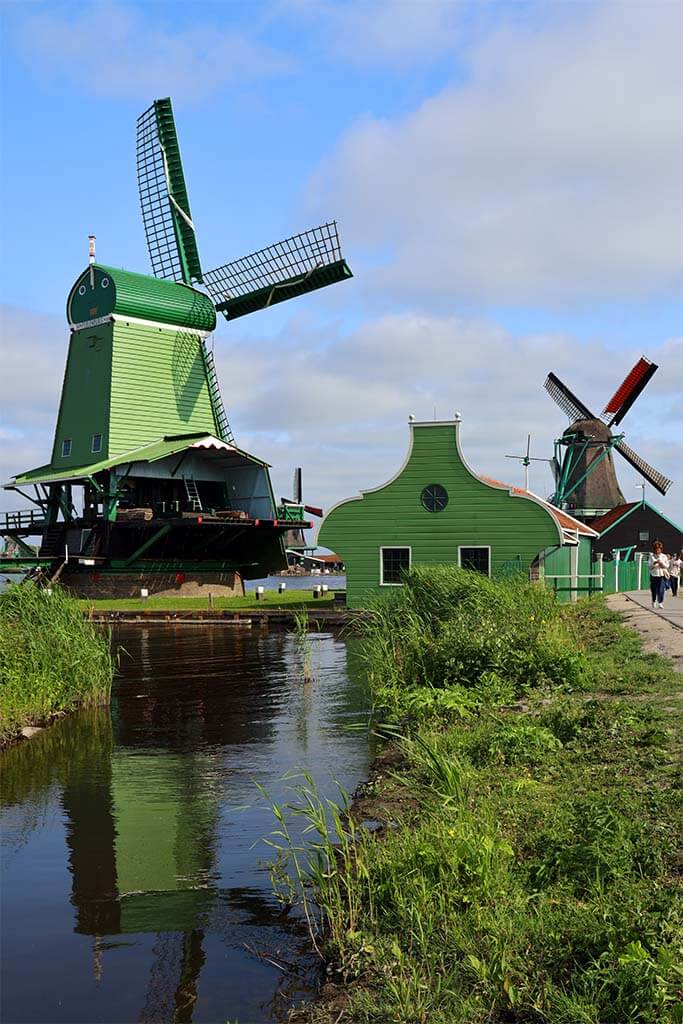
(633, 527)
(436, 510)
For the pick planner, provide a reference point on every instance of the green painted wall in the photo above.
(158, 386)
(476, 514)
(84, 405)
(133, 383)
(100, 291)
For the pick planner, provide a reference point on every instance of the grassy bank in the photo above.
(51, 659)
(528, 870)
(270, 599)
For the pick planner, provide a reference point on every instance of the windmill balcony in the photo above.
(26, 521)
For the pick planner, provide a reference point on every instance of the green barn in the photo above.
(436, 510)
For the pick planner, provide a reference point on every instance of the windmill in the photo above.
(294, 506)
(526, 461)
(142, 429)
(586, 480)
(284, 270)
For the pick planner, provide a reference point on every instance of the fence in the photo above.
(606, 578)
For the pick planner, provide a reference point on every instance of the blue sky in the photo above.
(506, 177)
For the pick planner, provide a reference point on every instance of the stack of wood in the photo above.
(129, 515)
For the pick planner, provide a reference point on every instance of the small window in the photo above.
(644, 535)
(104, 282)
(96, 445)
(393, 563)
(476, 559)
(66, 448)
(434, 498)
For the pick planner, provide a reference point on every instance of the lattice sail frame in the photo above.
(300, 264)
(619, 404)
(164, 202)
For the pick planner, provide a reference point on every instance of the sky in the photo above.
(506, 177)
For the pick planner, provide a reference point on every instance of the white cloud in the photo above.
(337, 403)
(119, 50)
(381, 31)
(551, 174)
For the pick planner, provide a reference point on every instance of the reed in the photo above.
(528, 869)
(302, 630)
(52, 659)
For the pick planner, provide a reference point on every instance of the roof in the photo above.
(153, 452)
(110, 291)
(603, 524)
(563, 519)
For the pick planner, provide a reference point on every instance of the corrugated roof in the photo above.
(566, 521)
(160, 449)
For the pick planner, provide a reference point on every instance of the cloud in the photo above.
(119, 50)
(391, 32)
(551, 174)
(336, 402)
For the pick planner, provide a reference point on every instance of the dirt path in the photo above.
(661, 636)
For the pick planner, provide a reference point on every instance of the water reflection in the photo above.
(136, 821)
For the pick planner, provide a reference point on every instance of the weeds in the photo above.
(535, 881)
(303, 639)
(51, 658)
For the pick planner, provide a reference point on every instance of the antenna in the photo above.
(526, 459)
(91, 249)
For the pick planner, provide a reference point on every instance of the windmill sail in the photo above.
(295, 266)
(660, 482)
(627, 392)
(566, 399)
(166, 216)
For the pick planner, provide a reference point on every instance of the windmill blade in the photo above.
(296, 266)
(297, 488)
(567, 401)
(627, 392)
(658, 480)
(166, 216)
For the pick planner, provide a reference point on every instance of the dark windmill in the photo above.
(585, 478)
(142, 432)
(294, 508)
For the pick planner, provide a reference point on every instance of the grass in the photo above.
(532, 874)
(51, 659)
(270, 599)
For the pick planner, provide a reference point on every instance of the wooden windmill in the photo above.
(585, 478)
(142, 427)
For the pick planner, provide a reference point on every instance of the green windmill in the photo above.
(146, 485)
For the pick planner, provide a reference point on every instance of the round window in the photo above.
(434, 498)
(105, 282)
(81, 290)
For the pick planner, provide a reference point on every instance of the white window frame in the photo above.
(393, 547)
(69, 441)
(479, 547)
(643, 536)
(93, 449)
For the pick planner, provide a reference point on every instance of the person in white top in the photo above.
(675, 566)
(658, 563)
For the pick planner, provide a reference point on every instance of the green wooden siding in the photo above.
(107, 291)
(84, 405)
(476, 515)
(158, 386)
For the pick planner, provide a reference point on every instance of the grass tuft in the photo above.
(51, 658)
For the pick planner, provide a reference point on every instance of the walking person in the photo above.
(658, 563)
(675, 566)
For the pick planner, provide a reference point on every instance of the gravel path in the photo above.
(662, 630)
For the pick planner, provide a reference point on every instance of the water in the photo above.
(132, 888)
(333, 581)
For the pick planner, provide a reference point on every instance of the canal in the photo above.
(134, 882)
